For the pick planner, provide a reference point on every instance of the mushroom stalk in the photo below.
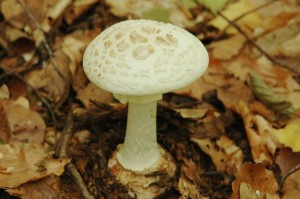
(140, 149)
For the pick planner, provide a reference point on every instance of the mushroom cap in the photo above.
(144, 57)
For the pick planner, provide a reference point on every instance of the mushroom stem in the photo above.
(140, 149)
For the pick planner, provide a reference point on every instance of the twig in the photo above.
(78, 179)
(251, 41)
(76, 117)
(247, 13)
(282, 181)
(38, 26)
(41, 98)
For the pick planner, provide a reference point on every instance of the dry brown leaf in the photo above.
(287, 160)
(21, 163)
(46, 188)
(260, 134)
(55, 10)
(291, 187)
(24, 124)
(225, 155)
(54, 78)
(93, 93)
(228, 48)
(273, 42)
(230, 89)
(258, 180)
(18, 17)
(246, 192)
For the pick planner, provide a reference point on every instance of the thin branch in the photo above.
(38, 26)
(251, 41)
(287, 175)
(74, 119)
(79, 181)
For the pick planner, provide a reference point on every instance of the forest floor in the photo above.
(233, 133)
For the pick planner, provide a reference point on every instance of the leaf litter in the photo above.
(229, 132)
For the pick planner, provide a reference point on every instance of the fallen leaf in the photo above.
(291, 187)
(190, 180)
(55, 10)
(24, 124)
(213, 5)
(192, 113)
(225, 155)
(230, 89)
(289, 136)
(189, 190)
(18, 17)
(157, 14)
(54, 78)
(4, 92)
(246, 192)
(46, 188)
(93, 93)
(287, 160)
(21, 163)
(267, 96)
(274, 42)
(152, 8)
(234, 10)
(261, 135)
(227, 48)
(254, 178)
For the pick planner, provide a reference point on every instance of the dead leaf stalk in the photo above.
(252, 42)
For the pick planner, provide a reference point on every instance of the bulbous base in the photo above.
(145, 184)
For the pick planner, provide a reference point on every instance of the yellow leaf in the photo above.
(290, 135)
(215, 5)
(235, 10)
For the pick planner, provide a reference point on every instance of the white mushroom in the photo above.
(138, 61)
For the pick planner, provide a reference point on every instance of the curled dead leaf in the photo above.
(261, 135)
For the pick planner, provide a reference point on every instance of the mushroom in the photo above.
(138, 61)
